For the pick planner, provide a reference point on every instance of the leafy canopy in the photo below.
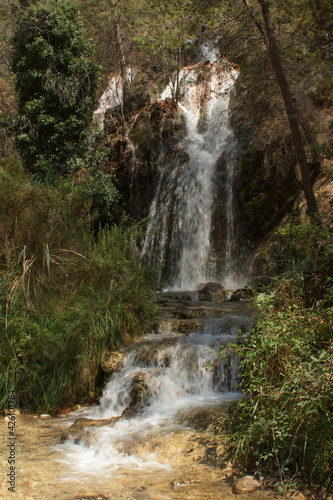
(56, 81)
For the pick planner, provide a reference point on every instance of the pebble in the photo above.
(76, 407)
(246, 484)
(44, 416)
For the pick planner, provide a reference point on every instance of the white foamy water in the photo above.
(177, 373)
(180, 218)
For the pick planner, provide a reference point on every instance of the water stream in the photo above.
(163, 376)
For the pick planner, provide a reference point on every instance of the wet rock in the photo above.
(205, 418)
(246, 484)
(155, 354)
(140, 391)
(186, 326)
(112, 361)
(132, 411)
(166, 297)
(77, 430)
(214, 292)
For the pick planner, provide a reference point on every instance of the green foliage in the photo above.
(65, 294)
(56, 82)
(284, 424)
(285, 421)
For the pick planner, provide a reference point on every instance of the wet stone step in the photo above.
(201, 309)
(226, 325)
(182, 312)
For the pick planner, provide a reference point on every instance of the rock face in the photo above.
(246, 484)
(148, 137)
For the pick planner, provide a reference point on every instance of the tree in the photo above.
(56, 81)
(271, 43)
(291, 109)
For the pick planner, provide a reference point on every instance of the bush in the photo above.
(284, 424)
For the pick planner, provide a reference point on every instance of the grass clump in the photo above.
(284, 424)
(67, 292)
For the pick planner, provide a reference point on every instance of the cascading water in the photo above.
(178, 241)
(181, 369)
(163, 376)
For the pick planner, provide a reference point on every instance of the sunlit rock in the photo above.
(246, 484)
(112, 361)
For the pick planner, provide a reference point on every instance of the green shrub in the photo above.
(284, 423)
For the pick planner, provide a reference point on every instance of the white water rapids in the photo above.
(179, 373)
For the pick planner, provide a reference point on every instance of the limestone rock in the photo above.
(112, 361)
(140, 391)
(15, 412)
(246, 484)
(76, 407)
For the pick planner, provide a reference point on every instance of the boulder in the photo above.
(112, 361)
(213, 292)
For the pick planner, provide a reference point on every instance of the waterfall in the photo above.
(191, 232)
(178, 241)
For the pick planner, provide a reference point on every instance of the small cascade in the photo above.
(178, 241)
(164, 378)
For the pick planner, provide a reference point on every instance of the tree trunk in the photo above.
(291, 110)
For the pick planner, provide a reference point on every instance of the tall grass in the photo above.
(66, 294)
